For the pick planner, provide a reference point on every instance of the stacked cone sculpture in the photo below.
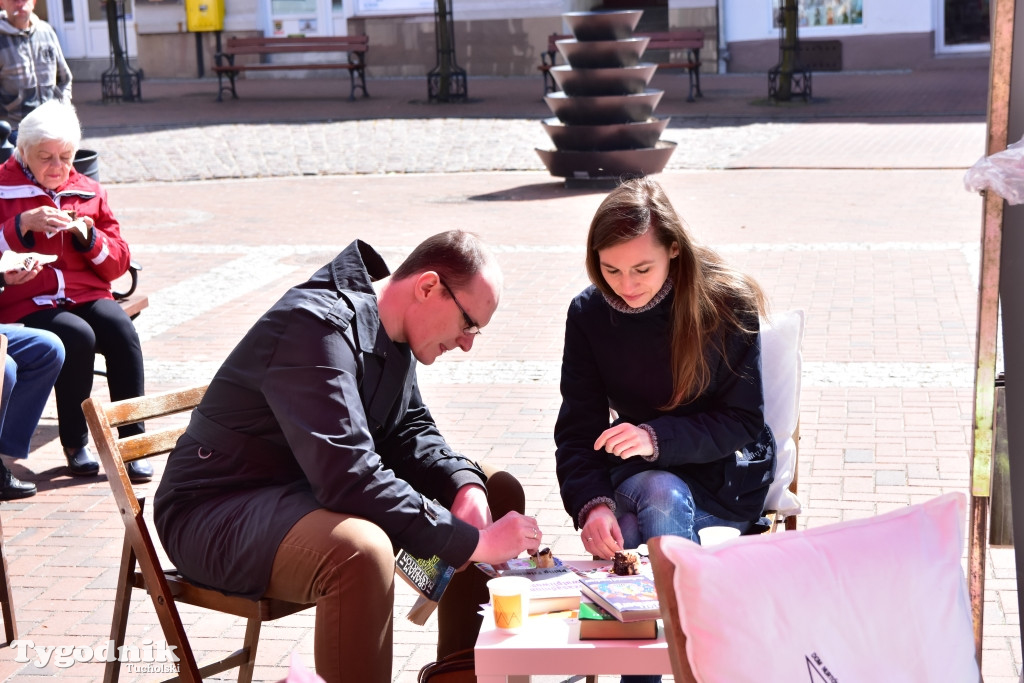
(603, 128)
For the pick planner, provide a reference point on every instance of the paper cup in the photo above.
(510, 598)
(713, 535)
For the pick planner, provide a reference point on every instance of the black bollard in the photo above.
(6, 148)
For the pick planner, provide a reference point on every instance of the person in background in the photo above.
(47, 207)
(312, 456)
(661, 430)
(33, 361)
(32, 65)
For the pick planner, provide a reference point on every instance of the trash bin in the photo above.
(87, 162)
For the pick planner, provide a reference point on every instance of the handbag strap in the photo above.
(460, 660)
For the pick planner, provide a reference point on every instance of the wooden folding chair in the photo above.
(140, 564)
(6, 594)
(664, 570)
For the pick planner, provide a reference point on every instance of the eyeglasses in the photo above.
(471, 326)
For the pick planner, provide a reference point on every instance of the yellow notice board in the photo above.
(205, 15)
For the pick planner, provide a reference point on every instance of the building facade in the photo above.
(506, 37)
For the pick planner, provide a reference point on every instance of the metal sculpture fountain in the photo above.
(603, 128)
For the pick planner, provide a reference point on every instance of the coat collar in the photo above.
(353, 272)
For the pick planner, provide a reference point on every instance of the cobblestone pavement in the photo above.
(181, 133)
(857, 215)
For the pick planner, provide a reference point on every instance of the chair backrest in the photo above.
(781, 367)
(664, 571)
(114, 453)
(874, 599)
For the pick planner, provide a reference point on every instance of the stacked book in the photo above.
(609, 606)
(618, 607)
(553, 589)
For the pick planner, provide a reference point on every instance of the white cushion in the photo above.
(780, 371)
(876, 599)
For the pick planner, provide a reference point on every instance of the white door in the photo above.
(81, 26)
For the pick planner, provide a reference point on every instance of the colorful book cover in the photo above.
(430, 577)
(629, 598)
(599, 624)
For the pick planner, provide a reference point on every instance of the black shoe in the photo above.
(139, 471)
(12, 488)
(81, 462)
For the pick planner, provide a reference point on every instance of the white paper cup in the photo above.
(713, 535)
(510, 599)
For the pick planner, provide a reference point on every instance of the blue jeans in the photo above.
(34, 358)
(658, 503)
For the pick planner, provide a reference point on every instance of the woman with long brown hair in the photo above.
(661, 429)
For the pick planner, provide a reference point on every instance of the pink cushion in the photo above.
(876, 599)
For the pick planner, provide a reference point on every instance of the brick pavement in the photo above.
(882, 256)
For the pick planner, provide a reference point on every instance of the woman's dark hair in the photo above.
(710, 297)
(455, 255)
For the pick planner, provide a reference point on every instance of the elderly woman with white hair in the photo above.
(48, 208)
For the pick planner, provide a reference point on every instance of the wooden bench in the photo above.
(811, 56)
(683, 46)
(355, 46)
(820, 55)
(131, 301)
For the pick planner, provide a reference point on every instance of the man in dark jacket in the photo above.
(32, 65)
(312, 455)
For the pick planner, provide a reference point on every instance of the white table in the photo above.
(550, 645)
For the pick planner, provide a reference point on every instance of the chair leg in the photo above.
(122, 605)
(7, 596)
(252, 639)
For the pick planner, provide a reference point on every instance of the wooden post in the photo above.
(988, 318)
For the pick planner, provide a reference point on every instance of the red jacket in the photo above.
(78, 275)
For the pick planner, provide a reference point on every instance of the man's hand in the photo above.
(625, 441)
(471, 506)
(601, 533)
(507, 538)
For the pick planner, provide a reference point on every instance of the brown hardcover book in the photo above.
(599, 624)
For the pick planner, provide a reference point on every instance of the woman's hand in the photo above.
(600, 533)
(83, 234)
(20, 276)
(625, 441)
(43, 219)
(507, 538)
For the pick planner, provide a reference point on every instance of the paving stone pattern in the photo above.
(851, 207)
